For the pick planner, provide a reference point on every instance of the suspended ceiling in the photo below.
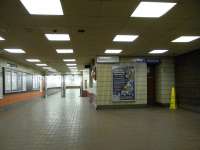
(101, 20)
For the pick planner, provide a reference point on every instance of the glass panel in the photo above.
(19, 82)
(24, 82)
(7, 81)
(14, 81)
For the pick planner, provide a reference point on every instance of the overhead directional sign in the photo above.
(108, 59)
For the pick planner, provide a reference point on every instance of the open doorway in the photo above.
(151, 83)
(73, 81)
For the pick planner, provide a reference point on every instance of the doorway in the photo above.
(151, 89)
(73, 81)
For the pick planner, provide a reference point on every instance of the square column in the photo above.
(45, 86)
(1, 83)
(63, 89)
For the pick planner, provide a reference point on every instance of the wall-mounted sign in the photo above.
(146, 60)
(11, 65)
(108, 59)
(123, 82)
(138, 60)
(152, 61)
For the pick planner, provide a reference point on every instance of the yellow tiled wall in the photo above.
(104, 84)
(165, 79)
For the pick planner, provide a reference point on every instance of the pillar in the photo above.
(63, 88)
(1, 83)
(45, 86)
(81, 87)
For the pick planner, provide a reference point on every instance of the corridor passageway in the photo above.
(99, 75)
(72, 123)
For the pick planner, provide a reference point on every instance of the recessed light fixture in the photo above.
(15, 50)
(43, 7)
(64, 51)
(71, 64)
(42, 65)
(47, 68)
(1, 38)
(113, 51)
(72, 67)
(186, 39)
(69, 60)
(33, 60)
(158, 51)
(152, 9)
(125, 38)
(58, 37)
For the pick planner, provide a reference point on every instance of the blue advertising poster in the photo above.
(123, 82)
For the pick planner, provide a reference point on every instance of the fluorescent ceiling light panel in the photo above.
(33, 60)
(15, 50)
(1, 38)
(58, 37)
(72, 67)
(125, 38)
(42, 65)
(69, 60)
(186, 39)
(152, 9)
(43, 7)
(158, 51)
(113, 51)
(64, 51)
(47, 68)
(71, 64)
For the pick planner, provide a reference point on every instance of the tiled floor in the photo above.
(71, 123)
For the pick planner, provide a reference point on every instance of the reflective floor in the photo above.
(72, 123)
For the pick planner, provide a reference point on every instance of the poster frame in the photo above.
(135, 95)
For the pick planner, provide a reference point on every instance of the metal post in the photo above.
(81, 87)
(63, 88)
(1, 83)
(45, 86)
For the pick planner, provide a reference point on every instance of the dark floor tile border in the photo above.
(102, 107)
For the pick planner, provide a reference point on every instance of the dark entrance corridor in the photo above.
(71, 123)
(151, 85)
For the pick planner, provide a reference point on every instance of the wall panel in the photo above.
(188, 80)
